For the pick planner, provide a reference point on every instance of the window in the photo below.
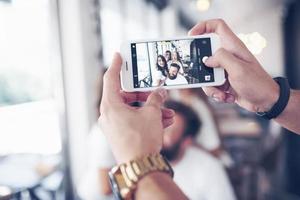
(28, 71)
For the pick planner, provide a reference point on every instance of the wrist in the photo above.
(135, 149)
(154, 177)
(271, 97)
(281, 102)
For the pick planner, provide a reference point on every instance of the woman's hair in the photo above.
(163, 69)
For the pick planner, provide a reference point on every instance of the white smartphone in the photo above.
(171, 63)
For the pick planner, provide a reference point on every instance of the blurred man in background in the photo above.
(206, 179)
(198, 174)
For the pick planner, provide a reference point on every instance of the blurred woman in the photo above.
(161, 72)
(176, 59)
(168, 56)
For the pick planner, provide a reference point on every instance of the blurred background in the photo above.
(52, 58)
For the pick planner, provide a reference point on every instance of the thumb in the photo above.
(224, 59)
(156, 98)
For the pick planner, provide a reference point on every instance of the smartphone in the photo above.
(172, 63)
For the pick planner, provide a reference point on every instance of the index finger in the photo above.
(229, 40)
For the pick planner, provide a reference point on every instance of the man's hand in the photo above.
(247, 84)
(132, 132)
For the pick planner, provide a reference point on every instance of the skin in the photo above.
(114, 110)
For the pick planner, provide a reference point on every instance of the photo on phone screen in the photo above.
(171, 62)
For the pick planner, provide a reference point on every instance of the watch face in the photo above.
(114, 186)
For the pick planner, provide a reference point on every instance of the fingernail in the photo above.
(230, 99)
(215, 98)
(204, 59)
(162, 92)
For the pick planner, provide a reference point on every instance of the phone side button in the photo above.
(126, 66)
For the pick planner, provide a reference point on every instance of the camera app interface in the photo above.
(172, 62)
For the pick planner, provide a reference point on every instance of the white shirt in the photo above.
(158, 75)
(99, 156)
(180, 80)
(208, 135)
(202, 177)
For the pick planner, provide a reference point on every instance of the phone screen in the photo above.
(171, 62)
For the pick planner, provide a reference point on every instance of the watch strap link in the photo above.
(136, 169)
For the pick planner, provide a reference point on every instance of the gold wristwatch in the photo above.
(124, 177)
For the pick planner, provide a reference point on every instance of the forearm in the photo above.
(290, 117)
(158, 185)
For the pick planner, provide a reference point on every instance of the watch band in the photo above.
(282, 101)
(124, 177)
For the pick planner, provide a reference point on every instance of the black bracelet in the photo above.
(282, 101)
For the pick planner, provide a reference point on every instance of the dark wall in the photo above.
(292, 44)
(292, 69)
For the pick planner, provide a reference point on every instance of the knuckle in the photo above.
(221, 22)
(222, 25)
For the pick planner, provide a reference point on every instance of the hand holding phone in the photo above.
(170, 63)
